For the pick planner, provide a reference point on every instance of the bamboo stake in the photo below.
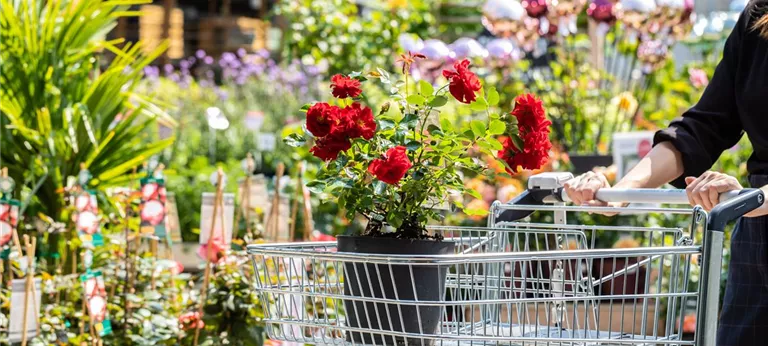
(295, 204)
(273, 225)
(207, 275)
(29, 288)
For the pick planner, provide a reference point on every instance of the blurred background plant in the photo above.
(62, 104)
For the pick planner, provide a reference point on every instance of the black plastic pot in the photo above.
(423, 283)
(585, 163)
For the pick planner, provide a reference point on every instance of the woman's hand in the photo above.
(706, 189)
(582, 189)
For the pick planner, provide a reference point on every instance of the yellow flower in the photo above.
(397, 4)
(625, 102)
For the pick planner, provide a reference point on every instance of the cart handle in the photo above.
(733, 204)
(660, 196)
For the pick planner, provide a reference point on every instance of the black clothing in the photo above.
(735, 101)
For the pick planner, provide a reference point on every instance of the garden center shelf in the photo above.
(514, 282)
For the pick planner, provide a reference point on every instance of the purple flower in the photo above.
(227, 56)
(168, 68)
(208, 60)
(210, 74)
(184, 65)
(200, 54)
(222, 94)
(263, 53)
(241, 52)
(151, 72)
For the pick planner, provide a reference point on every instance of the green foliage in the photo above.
(59, 108)
(340, 34)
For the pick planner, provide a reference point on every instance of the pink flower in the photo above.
(698, 78)
(320, 236)
(191, 320)
(216, 251)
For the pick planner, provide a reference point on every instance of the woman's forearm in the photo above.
(662, 165)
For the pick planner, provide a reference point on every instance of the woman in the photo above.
(736, 101)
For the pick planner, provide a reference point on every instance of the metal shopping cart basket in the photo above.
(514, 282)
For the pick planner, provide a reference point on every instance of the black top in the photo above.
(734, 102)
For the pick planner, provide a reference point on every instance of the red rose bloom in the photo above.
(463, 83)
(530, 114)
(533, 128)
(329, 147)
(321, 118)
(343, 86)
(360, 121)
(393, 167)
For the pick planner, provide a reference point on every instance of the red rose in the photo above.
(530, 114)
(321, 118)
(329, 147)
(463, 83)
(360, 121)
(535, 153)
(343, 87)
(393, 167)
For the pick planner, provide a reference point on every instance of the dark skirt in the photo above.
(744, 317)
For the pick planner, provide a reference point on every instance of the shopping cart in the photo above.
(514, 282)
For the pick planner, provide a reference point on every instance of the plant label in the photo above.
(16, 323)
(96, 301)
(254, 120)
(88, 219)
(9, 217)
(266, 141)
(153, 198)
(224, 220)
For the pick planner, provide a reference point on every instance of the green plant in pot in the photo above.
(395, 167)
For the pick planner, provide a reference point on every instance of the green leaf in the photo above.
(513, 128)
(446, 124)
(415, 99)
(426, 88)
(410, 120)
(379, 187)
(495, 144)
(474, 193)
(479, 105)
(316, 186)
(438, 101)
(478, 128)
(413, 145)
(518, 141)
(394, 219)
(493, 97)
(295, 140)
(306, 107)
(386, 124)
(434, 129)
(496, 127)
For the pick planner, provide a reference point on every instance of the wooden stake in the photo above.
(273, 224)
(29, 287)
(207, 276)
(295, 204)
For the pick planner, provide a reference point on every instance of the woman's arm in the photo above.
(662, 164)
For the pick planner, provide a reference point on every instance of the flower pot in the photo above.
(400, 282)
(585, 163)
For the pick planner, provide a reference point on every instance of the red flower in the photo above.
(393, 167)
(463, 83)
(535, 152)
(343, 86)
(321, 118)
(530, 114)
(191, 320)
(329, 147)
(360, 121)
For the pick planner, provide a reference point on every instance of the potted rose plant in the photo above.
(393, 163)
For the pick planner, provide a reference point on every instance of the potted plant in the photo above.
(394, 167)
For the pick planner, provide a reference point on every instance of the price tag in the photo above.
(266, 141)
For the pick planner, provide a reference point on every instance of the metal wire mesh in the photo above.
(509, 284)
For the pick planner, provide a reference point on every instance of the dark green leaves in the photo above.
(295, 140)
